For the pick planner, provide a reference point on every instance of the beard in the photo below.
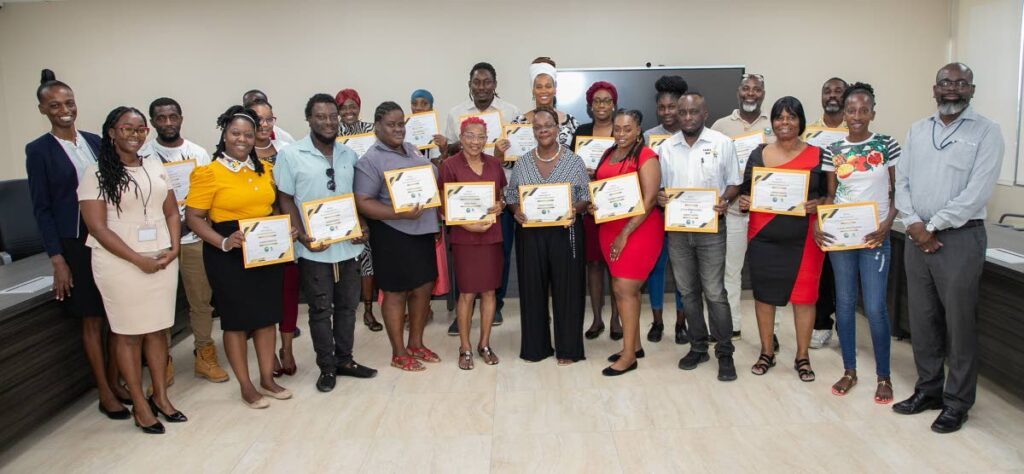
(832, 108)
(324, 139)
(952, 107)
(170, 138)
(748, 107)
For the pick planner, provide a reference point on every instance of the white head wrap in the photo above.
(542, 68)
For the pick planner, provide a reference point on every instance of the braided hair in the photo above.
(237, 112)
(112, 176)
(860, 88)
(633, 154)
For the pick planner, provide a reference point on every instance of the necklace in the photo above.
(265, 147)
(549, 160)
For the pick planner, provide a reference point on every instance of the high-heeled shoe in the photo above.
(155, 428)
(121, 414)
(287, 370)
(176, 417)
(610, 372)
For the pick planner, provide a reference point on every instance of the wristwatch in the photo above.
(930, 228)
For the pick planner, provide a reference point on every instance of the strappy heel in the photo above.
(764, 362)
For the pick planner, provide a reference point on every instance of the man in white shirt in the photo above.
(699, 157)
(169, 147)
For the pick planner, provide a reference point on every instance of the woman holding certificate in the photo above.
(476, 246)
(785, 263)
(861, 172)
(134, 232)
(239, 186)
(602, 100)
(396, 190)
(631, 246)
(547, 189)
(543, 78)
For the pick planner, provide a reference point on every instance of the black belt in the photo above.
(969, 224)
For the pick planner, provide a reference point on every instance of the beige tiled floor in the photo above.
(539, 417)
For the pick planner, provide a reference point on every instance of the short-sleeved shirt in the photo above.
(733, 126)
(231, 190)
(186, 151)
(507, 110)
(569, 169)
(862, 169)
(369, 182)
(456, 170)
(659, 130)
(142, 204)
(709, 163)
(301, 171)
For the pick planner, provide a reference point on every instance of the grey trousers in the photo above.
(942, 292)
(332, 300)
(698, 265)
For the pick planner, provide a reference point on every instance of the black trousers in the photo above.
(550, 263)
(826, 305)
(332, 291)
(942, 296)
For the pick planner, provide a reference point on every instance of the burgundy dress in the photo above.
(478, 256)
(644, 245)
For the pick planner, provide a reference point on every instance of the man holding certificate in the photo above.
(316, 192)
(699, 158)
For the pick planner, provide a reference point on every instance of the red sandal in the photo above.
(424, 354)
(407, 363)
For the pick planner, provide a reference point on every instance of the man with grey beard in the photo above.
(944, 179)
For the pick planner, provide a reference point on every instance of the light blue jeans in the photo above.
(656, 282)
(867, 269)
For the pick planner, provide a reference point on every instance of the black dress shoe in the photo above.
(356, 370)
(615, 357)
(453, 330)
(693, 359)
(325, 383)
(657, 329)
(155, 428)
(615, 335)
(726, 369)
(917, 403)
(122, 414)
(950, 420)
(610, 372)
(176, 417)
(681, 337)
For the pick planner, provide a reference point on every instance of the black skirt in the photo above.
(246, 298)
(401, 262)
(85, 300)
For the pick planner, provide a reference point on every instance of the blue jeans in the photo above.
(656, 282)
(870, 269)
(508, 236)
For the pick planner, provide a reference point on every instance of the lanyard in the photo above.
(149, 191)
(946, 142)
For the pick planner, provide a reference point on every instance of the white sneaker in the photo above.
(820, 337)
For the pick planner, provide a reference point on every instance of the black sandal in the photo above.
(806, 375)
(763, 363)
(372, 322)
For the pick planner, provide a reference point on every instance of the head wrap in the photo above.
(422, 94)
(537, 69)
(346, 94)
(472, 121)
(602, 86)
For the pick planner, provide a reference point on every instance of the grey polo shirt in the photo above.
(946, 174)
(369, 181)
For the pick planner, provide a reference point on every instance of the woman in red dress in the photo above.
(630, 246)
(785, 263)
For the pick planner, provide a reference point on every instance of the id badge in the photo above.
(147, 233)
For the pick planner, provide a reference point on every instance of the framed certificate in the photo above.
(617, 198)
(779, 191)
(691, 210)
(745, 144)
(823, 137)
(848, 224)
(178, 173)
(591, 149)
(332, 219)
(521, 140)
(468, 203)
(268, 240)
(654, 141)
(420, 129)
(546, 205)
(411, 186)
(359, 143)
(494, 129)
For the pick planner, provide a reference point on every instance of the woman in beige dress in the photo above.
(134, 233)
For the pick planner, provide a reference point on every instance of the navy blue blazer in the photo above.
(53, 184)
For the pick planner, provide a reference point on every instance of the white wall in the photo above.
(206, 53)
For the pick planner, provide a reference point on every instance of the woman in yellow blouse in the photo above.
(238, 185)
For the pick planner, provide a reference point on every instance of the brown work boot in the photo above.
(207, 366)
(168, 376)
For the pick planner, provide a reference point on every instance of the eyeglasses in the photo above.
(268, 120)
(129, 131)
(607, 101)
(330, 182)
(759, 77)
(959, 83)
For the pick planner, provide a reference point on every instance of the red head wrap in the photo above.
(346, 94)
(602, 85)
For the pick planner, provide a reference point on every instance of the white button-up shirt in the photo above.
(710, 163)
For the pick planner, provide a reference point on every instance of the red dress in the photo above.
(644, 245)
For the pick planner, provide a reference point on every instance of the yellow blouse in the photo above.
(231, 195)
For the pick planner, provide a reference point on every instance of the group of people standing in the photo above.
(133, 236)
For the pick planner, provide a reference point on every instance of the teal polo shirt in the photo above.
(301, 171)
